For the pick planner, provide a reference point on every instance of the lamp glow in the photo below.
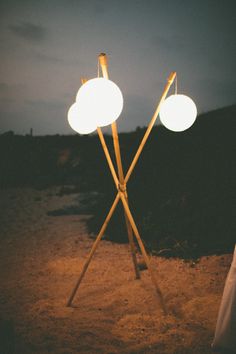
(178, 113)
(100, 100)
(77, 121)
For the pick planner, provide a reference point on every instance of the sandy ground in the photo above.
(40, 259)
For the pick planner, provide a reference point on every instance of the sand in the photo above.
(40, 259)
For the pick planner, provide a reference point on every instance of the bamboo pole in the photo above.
(123, 196)
(105, 149)
(93, 249)
(104, 67)
(122, 192)
(150, 126)
(108, 157)
(104, 226)
(144, 253)
(133, 253)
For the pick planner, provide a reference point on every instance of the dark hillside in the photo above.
(182, 191)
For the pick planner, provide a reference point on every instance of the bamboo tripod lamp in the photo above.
(122, 195)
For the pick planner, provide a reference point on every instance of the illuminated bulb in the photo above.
(100, 100)
(178, 113)
(78, 122)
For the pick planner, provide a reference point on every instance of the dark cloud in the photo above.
(53, 59)
(29, 31)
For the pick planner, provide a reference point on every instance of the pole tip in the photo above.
(83, 80)
(103, 59)
(172, 76)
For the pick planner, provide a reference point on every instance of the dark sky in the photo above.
(48, 45)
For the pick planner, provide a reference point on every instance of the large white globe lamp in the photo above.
(100, 100)
(178, 112)
(79, 123)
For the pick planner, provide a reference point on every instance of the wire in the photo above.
(98, 69)
(176, 85)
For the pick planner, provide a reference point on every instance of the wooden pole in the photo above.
(93, 249)
(150, 126)
(104, 226)
(108, 157)
(144, 253)
(104, 67)
(128, 215)
(121, 194)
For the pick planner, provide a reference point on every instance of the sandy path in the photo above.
(40, 259)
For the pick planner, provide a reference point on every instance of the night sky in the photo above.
(48, 45)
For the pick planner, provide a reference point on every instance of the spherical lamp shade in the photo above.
(101, 100)
(178, 113)
(78, 122)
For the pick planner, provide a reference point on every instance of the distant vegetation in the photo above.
(182, 191)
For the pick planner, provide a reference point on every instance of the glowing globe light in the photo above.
(100, 100)
(78, 122)
(178, 113)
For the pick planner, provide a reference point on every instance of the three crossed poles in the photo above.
(120, 183)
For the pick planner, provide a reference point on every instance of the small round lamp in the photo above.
(79, 123)
(178, 112)
(100, 100)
